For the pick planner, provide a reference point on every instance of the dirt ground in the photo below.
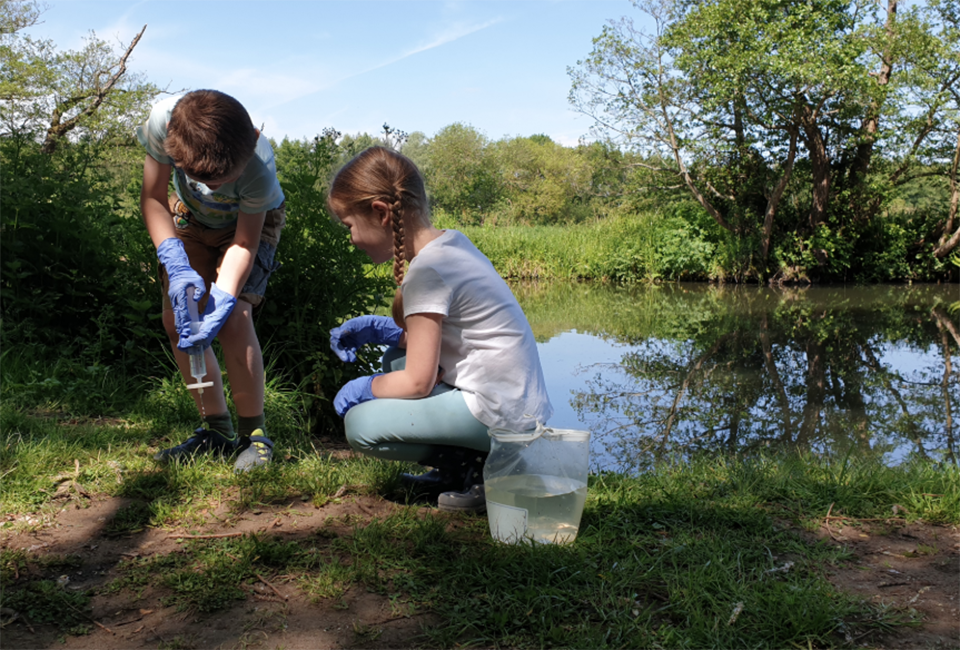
(907, 567)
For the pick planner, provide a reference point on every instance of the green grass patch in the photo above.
(703, 552)
(624, 248)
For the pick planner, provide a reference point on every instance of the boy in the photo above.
(216, 237)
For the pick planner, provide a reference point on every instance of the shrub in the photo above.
(323, 280)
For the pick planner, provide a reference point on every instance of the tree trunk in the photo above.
(948, 242)
(820, 167)
(773, 201)
(871, 122)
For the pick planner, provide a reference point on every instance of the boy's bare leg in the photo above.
(217, 434)
(213, 397)
(244, 360)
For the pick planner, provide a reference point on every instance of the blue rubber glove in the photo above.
(355, 391)
(219, 306)
(380, 330)
(181, 276)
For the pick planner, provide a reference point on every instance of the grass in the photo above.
(694, 554)
(615, 249)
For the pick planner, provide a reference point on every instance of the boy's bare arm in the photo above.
(153, 200)
(238, 260)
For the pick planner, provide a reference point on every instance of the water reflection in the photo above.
(683, 368)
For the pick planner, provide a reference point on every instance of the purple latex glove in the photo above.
(355, 391)
(380, 330)
(181, 277)
(219, 306)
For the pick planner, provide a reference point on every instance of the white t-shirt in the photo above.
(487, 348)
(257, 189)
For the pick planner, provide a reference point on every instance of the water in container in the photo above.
(536, 484)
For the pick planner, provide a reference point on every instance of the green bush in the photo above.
(77, 280)
(81, 303)
(323, 280)
(621, 248)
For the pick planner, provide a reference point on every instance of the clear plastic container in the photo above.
(536, 484)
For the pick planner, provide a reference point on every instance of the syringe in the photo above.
(198, 362)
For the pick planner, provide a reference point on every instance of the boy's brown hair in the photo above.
(210, 135)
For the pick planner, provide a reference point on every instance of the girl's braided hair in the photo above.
(381, 174)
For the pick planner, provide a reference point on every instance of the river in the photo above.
(658, 372)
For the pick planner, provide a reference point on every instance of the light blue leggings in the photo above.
(410, 429)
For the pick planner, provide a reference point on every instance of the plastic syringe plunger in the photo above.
(198, 362)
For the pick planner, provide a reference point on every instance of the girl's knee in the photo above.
(359, 430)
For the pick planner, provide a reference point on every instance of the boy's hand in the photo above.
(356, 391)
(345, 340)
(219, 306)
(180, 275)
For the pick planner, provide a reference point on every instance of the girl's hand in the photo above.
(359, 331)
(356, 391)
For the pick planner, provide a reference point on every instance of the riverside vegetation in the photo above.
(682, 556)
(708, 553)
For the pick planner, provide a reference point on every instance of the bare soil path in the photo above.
(915, 566)
(275, 613)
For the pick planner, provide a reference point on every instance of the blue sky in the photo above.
(302, 65)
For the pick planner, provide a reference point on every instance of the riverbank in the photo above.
(616, 249)
(102, 548)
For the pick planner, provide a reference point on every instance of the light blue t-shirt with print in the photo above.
(256, 190)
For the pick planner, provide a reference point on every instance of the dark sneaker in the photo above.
(472, 500)
(257, 454)
(202, 441)
(454, 468)
(435, 481)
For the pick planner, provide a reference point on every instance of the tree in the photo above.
(543, 182)
(16, 15)
(85, 97)
(50, 94)
(732, 98)
(461, 172)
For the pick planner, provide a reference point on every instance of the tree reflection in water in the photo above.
(828, 370)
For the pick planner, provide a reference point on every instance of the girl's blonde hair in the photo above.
(381, 174)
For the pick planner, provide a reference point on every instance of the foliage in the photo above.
(323, 280)
(88, 94)
(461, 172)
(649, 246)
(785, 121)
(76, 280)
(543, 182)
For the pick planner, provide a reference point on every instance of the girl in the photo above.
(451, 312)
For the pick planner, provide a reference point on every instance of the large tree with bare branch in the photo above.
(50, 95)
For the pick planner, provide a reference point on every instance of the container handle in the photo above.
(509, 435)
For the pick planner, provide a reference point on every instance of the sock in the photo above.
(222, 424)
(248, 425)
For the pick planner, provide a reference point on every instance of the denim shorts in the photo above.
(206, 246)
